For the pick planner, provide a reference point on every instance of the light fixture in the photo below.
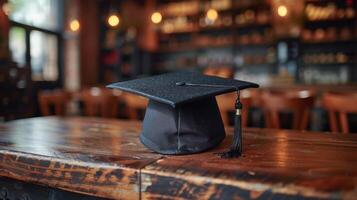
(156, 17)
(6, 8)
(212, 14)
(282, 11)
(74, 25)
(113, 20)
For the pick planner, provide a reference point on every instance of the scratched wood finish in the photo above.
(275, 165)
(84, 155)
(18, 190)
(104, 158)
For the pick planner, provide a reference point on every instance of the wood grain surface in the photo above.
(276, 164)
(86, 155)
(104, 158)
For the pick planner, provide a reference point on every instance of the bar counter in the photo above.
(74, 157)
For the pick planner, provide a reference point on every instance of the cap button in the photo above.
(180, 83)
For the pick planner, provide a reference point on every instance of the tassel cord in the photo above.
(237, 143)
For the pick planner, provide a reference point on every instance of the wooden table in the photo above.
(68, 158)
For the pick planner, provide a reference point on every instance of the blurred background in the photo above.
(56, 56)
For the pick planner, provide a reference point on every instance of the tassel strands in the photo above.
(237, 144)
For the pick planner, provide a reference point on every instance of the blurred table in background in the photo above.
(69, 157)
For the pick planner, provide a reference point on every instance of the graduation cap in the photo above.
(182, 116)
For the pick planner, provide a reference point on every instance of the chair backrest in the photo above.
(99, 102)
(299, 102)
(224, 72)
(340, 103)
(134, 103)
(226, 105)
(57, 99)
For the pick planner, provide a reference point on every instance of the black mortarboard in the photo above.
(182, 116)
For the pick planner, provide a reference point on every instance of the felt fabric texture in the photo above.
(163, 88)
(191, 128)
(182, 118)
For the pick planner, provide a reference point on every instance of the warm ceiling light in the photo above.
(212, 14)
(156, 17)
(113, 20)
(6, 8)
(74, 25)
(282, 11)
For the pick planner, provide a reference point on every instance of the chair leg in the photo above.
(304, 119)
(267, 119)
(91, 110)
(45, 111)
(297, 118)
(271, 119)
(333, 121)
(244, 117)
(344, 122)
(275, 119)
(58, 109)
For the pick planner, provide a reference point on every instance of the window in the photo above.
(43, 56)
(38, 13)
(17, 44)
(34, 37)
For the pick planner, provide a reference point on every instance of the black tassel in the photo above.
(236, 147)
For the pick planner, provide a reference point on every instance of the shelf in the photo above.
(320, 1)
(192, 48)
(325, 2)
(329, 42)
(192, 44)
(252, 26)
(201, 48)
(256, 45)
(175, 50)
(185, 31)
(330, 64)
(172, 15)
(253, 6)
(233, 9)
(215, 28)
(257, 65)
(224, 65)
(223, 46)
(330, 23)
(203, 12)
(219, 28)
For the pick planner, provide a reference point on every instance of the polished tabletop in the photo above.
(104, 158)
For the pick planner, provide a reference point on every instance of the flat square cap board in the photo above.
(182, 116)
(164, 88)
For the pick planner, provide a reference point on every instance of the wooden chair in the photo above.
(298, 102)
(226, 105)
(99, 102)
(133, 104)
(224, 72)
(340, 103)
(57, 99)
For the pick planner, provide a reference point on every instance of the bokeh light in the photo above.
(74, 25)
(113, 20)
(156, 17)
(212, 14)
(282, 11)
